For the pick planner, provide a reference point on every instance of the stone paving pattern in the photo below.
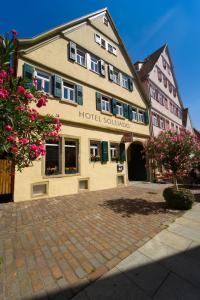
(52, 248)
(167, 267)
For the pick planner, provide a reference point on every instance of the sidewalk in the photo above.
(166, 267)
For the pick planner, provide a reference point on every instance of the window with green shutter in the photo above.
(130, 84)
(114, 106)
(102, 67)
(122, 152)
(72, 50)
(79, 94)
(28, 74)
(110, 72)
(130, 112)
(147, 117)
(57, 86)
(98, 101)
(104, 149)
(125, 106)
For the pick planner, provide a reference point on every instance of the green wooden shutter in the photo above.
(79, 94)
(113, 106)
(28, 73)
(125, 110)
(146, 116)
(130, 84)
(104, 149)
(57, 86)
(110, 72)
(98, 101)
(72, 51)
(130, 113)
(122, 152)
(102, 67)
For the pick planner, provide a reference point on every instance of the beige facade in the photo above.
(83, 122)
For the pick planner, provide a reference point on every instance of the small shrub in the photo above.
(181, 199)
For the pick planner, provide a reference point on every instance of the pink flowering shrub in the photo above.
(23, 130)
(177, 152)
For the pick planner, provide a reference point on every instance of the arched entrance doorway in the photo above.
(136, 163)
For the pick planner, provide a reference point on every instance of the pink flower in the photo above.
(42, 150)
(1, 80)
(11, 138)
(8, 128)
(3, 74)
(11, 70)
(34, 114)
(41, 102)
(21, 107)
(23, 141)
(3, 93)
(14, 149)
(21, 90)
(28, 95)
(33, 147)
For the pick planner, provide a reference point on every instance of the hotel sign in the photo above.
(127, 137)
(103, 119)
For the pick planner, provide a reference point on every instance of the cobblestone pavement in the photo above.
(53, 247)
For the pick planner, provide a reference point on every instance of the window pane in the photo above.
(71, 151)
(46, 86)
(39, 84)
(43, 75)
(65, 93)
(52, 158)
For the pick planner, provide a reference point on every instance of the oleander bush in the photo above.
(181, 199)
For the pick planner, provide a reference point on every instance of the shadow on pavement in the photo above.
(128, 207)
(138, 277)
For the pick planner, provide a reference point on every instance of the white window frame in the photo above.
(97, 38)
(155, 120)
(134, 115)
(69, 89)
(43, 79)
(76, 146)
(116, 76)
(92, 58)
(105, 104)
(141, 116)
(81, 58)
(114, 151)
(162, 126)
(125, 81)
(95, 150)
(119, 109)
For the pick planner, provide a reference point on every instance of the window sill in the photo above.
(68, 102)
(120, 117)
(106, 113)
(84, 66)
(60, 175)
(95, 72)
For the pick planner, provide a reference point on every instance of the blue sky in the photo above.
(143, 25)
